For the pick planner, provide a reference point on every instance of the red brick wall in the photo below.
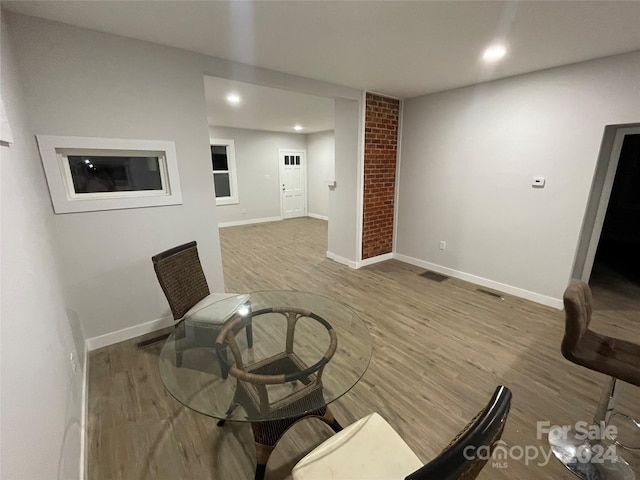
(380, 148)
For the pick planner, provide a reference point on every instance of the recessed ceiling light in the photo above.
(297, 128)
(233, 98)
(494, 53)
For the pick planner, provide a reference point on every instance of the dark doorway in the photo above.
(617, 260)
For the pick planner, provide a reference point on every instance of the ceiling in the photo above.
(264, 108)
(398, 48)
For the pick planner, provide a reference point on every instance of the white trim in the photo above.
(394, 242)
(318, 216)
(384, 95)
(237, 223)
(63, 164)
(128, 333)
(605, 196)
(303, 164)
(84, 451)
(63, 196)
(6, 136)
(342, 260)
(377, 259)
(485, 282)
(234, 198)
(360, 177)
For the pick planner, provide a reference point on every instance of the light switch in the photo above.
(538, 182)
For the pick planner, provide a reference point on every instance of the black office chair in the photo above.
(371, 449)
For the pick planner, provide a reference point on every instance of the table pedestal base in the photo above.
(266, 435)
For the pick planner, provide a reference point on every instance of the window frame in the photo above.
(55, 150)
(232, 199)
(63, 159)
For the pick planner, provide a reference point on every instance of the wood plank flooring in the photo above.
(439, 350)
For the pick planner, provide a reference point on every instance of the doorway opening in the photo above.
(612, 255)
(273, 157)
(617, 258)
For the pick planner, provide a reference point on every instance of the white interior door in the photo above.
(293, 183)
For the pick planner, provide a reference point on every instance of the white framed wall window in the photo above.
(223, 164)
(90, 174)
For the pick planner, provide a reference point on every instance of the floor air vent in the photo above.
(436, 277)
(489, 292)
(151, 341)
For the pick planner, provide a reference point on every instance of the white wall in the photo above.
(85, 83)
(256, 158)
(345, 201)
(468, 158)
(40, 393)
(321, 169)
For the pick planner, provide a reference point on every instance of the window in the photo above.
(223, 164)
(88, 174)
(292, 159)
(92, 174)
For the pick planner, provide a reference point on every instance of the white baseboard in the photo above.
(485, 282)
(362, 263)
(342, 260)
(372, 260)
(129, 332)
(318, 216)
(248, 222)
(84, 451)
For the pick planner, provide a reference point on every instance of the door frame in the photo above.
(303, 163)
(600, 194)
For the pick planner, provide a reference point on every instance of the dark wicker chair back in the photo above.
(462, 459)
(181, 277)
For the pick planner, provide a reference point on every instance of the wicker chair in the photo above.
(371, 449)
(282, 368)
(183, 282)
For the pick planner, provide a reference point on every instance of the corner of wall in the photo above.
(84, 422)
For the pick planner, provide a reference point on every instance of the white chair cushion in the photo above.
(215, 308)
(369, 449)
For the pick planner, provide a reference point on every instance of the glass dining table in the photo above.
(301, 352)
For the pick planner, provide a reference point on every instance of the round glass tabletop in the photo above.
(307, 351)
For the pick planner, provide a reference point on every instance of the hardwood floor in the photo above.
(439, 350)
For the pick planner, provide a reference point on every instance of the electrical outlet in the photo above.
(443, 245)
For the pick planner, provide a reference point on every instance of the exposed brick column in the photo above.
(380, 149)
